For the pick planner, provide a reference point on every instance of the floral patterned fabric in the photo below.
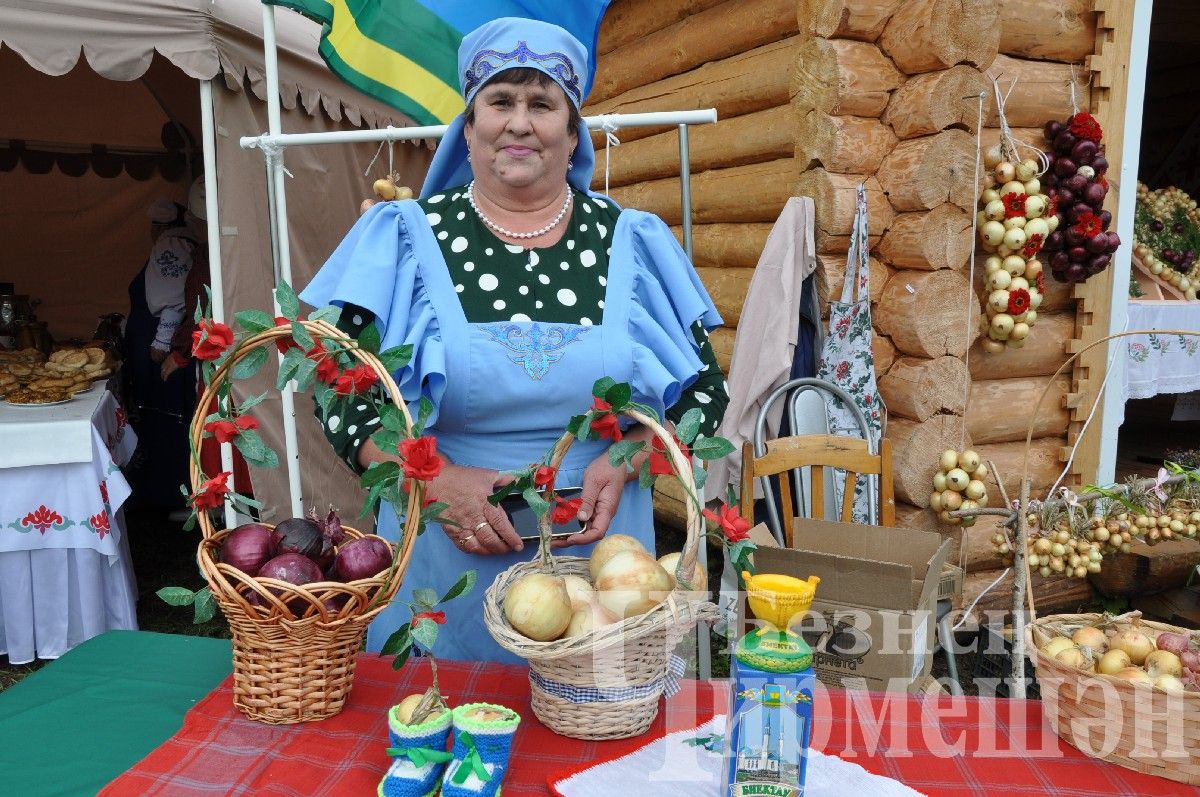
(847, 359)
(1158, 362)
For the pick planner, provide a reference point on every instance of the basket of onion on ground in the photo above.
(1122, 689)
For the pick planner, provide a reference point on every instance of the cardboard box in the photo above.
(872, 621)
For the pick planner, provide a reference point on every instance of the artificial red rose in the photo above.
(246, 422)
(420, 458)
(1084, 125)
(1014, 205)
(606, 425)
(327, 367)
(210, 340)
(211, 494)
(437, 617)
(1088, 224)
(732, 524)
(660, 463)
(1018, 301)
(1041, 282)
(1033, 245)
(358, 379)
(1052, 207)
(283, 344)
(565, 511)
(223, 430)
(544, 476)
(407, 487)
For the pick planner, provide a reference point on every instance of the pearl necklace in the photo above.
(509, 233)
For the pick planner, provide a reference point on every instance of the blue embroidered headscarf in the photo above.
(502, 44)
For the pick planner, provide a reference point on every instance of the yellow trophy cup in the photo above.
(777, 600)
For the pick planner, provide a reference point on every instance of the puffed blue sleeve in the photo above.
(376, 267)
(668, 300)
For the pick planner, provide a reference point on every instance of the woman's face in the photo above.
(519, 137)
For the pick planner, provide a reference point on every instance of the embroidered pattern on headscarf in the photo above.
(537, 348)
(488, 62)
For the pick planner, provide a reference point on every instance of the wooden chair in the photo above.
(818, 452)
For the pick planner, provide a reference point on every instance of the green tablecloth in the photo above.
(66, 730)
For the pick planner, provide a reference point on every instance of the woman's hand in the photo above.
(603, 483)
(482, 528)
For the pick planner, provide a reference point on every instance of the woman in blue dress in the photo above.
(518, 288)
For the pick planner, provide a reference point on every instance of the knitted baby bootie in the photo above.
(483, 736)
(419, 756)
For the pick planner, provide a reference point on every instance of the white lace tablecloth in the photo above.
(65, 569)
(1159, 363)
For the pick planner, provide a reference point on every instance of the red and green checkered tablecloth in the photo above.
(942, 746)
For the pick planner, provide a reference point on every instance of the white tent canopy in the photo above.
(82, 74)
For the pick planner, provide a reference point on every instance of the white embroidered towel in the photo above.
(675, 768)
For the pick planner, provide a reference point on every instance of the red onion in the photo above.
(1100, 164)
(1175, 643)
(1060, 260)
(362, 558)
(1052, 129)
(292, 567)
(1114, 241)
(1190, 659)
(1105, 218)
(247, 548)
(1094, 194)
(1076, 182)
(1065, 167)
(1097, 244)
(1098, 263)
(1073, 236)
(1084, 151)
(1076, 273)
(1065, 197)
(1054, 241)
(1077, 254)
(1078, 209)
(298, 535)
(1064, 141)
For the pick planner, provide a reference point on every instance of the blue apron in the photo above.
(505, 391)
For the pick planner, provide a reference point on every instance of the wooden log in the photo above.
(1053, 30)
(1031, 136)
(1043, 92)
(917, 388)
(847, 19)
(1044, 465)
(935, 101)
(726, 245)
(751, 138)
(922, 173)
(979, 553)
(628, 20)
(925, 313)
(884, 352)
(831, 273)
(999, 409)
(929, 240)
(690, 42)
(834, 196)
(918, 519)
(924, 35)
(1051, 595)
(843, 144)
(1044, 352)
(843, 77)
(1147, 570)
(839, 244)
(727, 287)
(751, 81)
(916, 448)
(756, 192)
(722, 339)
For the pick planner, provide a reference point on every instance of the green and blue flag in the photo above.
(405, 52)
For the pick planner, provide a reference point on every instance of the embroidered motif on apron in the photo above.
(847, 359)
(511, 389)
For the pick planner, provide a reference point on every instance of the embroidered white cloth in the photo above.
(673, 768)
(1162, 363)
(63, 550)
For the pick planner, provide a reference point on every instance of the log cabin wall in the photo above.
(817, 96)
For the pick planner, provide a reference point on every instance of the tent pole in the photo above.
(281, 251)
(216, 279)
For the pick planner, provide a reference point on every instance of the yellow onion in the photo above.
(1169, 684)
(1135, 675)
(1113, 662)
(1133, 642)
(1164, 662)
(949, 459)
(538, 606)
(1056, 646)
(611, 544)
(1072, 657)
(588, 619)
(405, 708)
(632, 583)
(1091, 637)
(670, 563)
(579, 591)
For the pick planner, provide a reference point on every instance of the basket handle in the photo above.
(685, 570)
(322, 330)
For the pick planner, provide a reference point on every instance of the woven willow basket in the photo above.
(294, 647)
(620, 670)
(1137, 727)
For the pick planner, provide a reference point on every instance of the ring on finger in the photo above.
(478, 526)
(466, 539)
